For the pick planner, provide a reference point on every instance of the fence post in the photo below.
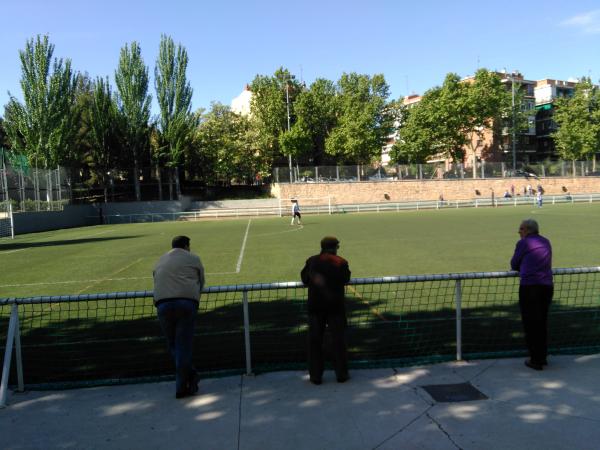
(458, 298)
(12, 336)
(247, 333)
(337, 173)
(483, 168)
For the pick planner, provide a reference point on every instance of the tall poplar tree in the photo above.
(174, 94)
(42, 127)
(131, 78)
(104, 130)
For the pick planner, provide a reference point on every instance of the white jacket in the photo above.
(178, 274)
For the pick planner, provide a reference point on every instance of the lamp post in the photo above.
(287, 104)
(514, 148)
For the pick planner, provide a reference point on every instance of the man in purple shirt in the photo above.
(533, 260)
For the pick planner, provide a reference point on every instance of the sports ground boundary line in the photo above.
(114, 273)
(101, 280)
(362, 299)
(298, 228)
(241, 257)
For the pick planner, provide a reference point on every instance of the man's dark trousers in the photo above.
(534, 302)
(336, 322)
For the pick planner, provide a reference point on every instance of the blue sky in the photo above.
(414, 44)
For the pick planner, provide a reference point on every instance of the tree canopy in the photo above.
(42, 127)
(578, 120)
(131, 78)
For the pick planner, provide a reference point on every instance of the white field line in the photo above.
(241, 257)
(114, 273)
(75, 282)
(101, 280)
(280, 232)
(12, 251)
(49, 238)
(362, 299)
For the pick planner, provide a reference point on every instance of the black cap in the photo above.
(329, 242)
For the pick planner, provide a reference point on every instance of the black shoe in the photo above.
(316, 381)
(343, 378)
(532, 365)
(193, 386)
(181, 394)
(545, 362)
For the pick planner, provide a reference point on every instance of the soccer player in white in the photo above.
(296, 212)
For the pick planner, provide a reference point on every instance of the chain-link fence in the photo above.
(251, 328)
(32, 189)
(433, 171)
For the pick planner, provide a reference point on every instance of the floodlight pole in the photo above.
(514, 148)
(287, 104)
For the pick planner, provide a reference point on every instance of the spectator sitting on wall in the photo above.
(507, 194)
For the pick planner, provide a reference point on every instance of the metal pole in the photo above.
(247, 333)
(287, 104)
(514, 148)
(58, 186)
(13, 328)
(458, 298)
(18, 353)
(12, 221)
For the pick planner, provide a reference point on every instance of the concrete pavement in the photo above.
(558, 408)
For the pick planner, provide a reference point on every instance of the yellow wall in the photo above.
(408, 190)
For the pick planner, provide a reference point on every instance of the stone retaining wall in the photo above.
(408, 190)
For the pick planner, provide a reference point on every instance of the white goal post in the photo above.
(7, 226)
(308, 205)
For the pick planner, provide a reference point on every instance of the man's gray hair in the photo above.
(531, 225)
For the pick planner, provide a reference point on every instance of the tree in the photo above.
(419, 133)
(451, 117)
(578, 120)
(364, 123)
(43, 127)
(4, 142)
(227, 146)
(272, 96)
(316, 116)
(174, 94)
(131, 78)
(487, 101)
(104, 130)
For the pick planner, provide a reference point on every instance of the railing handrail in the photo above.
(288, 285)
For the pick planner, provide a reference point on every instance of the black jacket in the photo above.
(325, 275)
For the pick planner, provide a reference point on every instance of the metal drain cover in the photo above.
(461, 392)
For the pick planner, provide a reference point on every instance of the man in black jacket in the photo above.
(325, 275)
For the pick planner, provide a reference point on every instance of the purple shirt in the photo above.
(533, 260)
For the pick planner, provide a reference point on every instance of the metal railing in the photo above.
(249, 327)
(433, 171)
(279, 210)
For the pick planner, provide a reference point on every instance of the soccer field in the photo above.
(121, 257)
(398, 323)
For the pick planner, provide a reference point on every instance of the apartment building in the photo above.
(496, 144)
(546, 92)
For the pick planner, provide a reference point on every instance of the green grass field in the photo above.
(121, 257)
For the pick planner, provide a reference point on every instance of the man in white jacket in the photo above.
(178, 281)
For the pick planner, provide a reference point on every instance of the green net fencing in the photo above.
(392, 321)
